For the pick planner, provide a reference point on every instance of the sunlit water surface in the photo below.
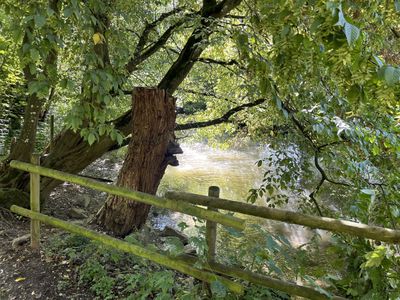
(234, 171)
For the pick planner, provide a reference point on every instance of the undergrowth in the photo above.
(112, 274)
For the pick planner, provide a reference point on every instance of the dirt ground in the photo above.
(25, 274)
(28, 275)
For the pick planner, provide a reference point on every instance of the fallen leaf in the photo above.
(20, 279)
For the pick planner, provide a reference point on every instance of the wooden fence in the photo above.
(189, 204)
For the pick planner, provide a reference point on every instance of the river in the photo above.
(234, 172)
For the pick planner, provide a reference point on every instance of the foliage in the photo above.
(261, 251)
(338, 106)
(111, 274)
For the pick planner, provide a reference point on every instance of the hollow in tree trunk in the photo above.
(153, 115)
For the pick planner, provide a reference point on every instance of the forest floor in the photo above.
(25, 274)
(34, 275)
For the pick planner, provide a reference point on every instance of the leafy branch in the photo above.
(317, 150)
(141, 53)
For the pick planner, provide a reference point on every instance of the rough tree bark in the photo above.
(153, 115)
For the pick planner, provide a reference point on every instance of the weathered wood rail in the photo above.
(330, 224)
(188, 204)
(154, 256)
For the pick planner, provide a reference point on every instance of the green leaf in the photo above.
(273, 267)
(342, 21)
(40, 20)
(113, 135)
(278, 102)
(68, 11)
(174, 245)
(218, 289)
(132, 239)
(107, 99)
(354, 93)
(63, 83)
(120, 139)
(34, 54)
(368, 192)
(32, 69)
(315, 284)
(378, 61)
(26, 47)
(397, 5)
(233, 232)
(391, 75)
(102, 129)
(374, 258)
(352, 33)
(33, 87)
(91, 138)
(182, 226)
(333, 6)
(272, 245)
(315, 25)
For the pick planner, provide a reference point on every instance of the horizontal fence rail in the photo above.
(154, 256)
(266, 281)
(330, 224)
(189, 209)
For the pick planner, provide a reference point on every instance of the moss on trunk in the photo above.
(12, 196)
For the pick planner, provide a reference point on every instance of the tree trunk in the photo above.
(153, 115)
(12, 180)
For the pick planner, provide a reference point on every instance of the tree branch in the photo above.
(224, 7)
(218, 62)
(185, 61)
(206, 94)
(140, 56)
(190, 91)
(149, 27)
(316, 149)
(195, 45)
(222, 119)
(312, 196)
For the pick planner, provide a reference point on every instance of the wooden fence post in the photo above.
(35, 203)
(211, 227)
